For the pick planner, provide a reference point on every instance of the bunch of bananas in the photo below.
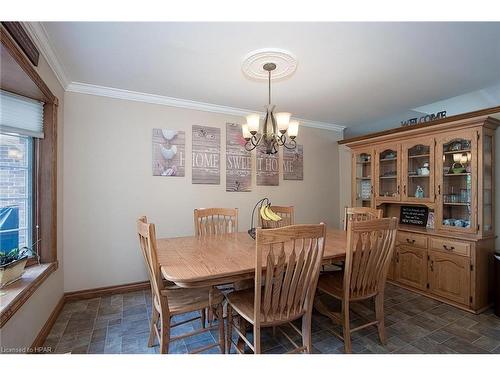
(267, 214)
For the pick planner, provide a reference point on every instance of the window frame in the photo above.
(45, 180)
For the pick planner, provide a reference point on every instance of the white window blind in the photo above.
(20, 115)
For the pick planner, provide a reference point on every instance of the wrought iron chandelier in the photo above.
(275, 128)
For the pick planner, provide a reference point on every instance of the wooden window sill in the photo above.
(15, 295)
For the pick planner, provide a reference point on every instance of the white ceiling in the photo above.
(348, 73)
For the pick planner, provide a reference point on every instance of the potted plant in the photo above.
(12, 265)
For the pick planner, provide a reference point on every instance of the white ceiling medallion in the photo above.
(253, 63)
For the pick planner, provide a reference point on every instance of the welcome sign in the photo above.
(424, 118)
(206, 155)
(238, 160)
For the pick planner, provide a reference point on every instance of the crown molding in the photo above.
(110, 92)
(39, 35)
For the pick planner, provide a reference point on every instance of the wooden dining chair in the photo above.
(370, 245)
(210, 221)
(361, 214)
(292, 256)
(167, 302)
(287, 217)
(214, 221)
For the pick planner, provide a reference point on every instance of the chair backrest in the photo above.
(147, 240)
(370, 245)
(361, 214)
(287, 217)
(292, 256)
(208, 221)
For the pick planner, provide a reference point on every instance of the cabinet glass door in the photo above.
(418, 171)
(457, 188)
(487, 184)
(387, 179)
(363, 168)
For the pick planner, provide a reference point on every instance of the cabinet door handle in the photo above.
(432, 266)
(404, 189)
(397, 257)
(398, 189)
(410, 241)
(449, 248)
(371, 190)
(439, 189)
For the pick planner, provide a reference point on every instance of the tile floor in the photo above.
(415, 324)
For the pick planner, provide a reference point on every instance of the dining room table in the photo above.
(220, 259)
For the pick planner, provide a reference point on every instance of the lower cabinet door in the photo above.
(449, 276)
(411, 267)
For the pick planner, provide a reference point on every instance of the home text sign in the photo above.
(424, 118)
(413, 215)
(206, 155)
(293, 163)
(169, 152)
(238, 160)
(268, 168)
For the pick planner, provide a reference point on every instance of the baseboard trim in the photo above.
(106, 291)
(79, 295)
(44, 332)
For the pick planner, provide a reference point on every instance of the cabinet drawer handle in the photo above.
(410, 241)
(449, 248)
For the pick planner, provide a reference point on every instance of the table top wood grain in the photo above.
(220, 259)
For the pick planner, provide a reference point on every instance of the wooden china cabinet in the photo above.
(448, 167)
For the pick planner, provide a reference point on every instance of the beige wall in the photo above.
(21, 329)
(108, 183)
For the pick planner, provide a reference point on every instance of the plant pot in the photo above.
(12, 271)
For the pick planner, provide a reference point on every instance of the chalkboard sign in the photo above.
(414, 215)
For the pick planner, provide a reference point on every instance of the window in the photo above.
(16, 188)
(21, 121)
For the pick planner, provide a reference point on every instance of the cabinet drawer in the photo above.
(412, 239)
(461, 248)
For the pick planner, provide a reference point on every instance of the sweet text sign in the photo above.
(238, 160)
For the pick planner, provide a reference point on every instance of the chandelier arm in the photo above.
(281, 139)
(249, 146)
(292, 147)
(255, 141)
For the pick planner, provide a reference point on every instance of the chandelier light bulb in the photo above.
(293, 129)
(283, 119)
(253, 121)
(246, 133)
